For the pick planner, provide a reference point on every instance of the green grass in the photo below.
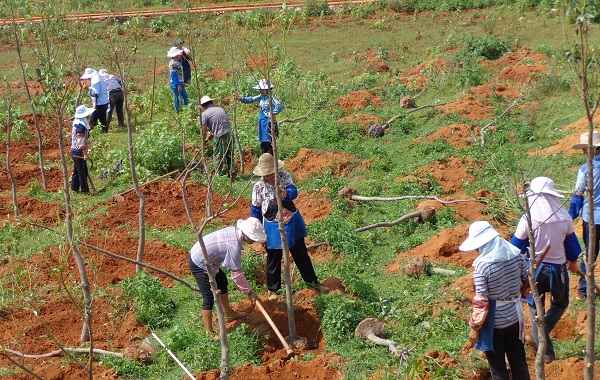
(311, 71)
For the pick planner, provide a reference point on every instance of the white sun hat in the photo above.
(263, 84)
(88, 73)
(253, 229)
(265, 165)
(480, 233)
(543, 185)
(173, 52)
(205, 99)
(83, 111)
(583, 140)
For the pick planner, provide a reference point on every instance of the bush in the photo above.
(339, 317)
(153, 306)
(317, 8)
(158, 149)
(489, 46)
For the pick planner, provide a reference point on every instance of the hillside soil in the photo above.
(27, 331)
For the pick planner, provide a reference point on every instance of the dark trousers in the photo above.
(266, 147)
(116, 99)
(202, 279)
(553, 279)
(100, 115)
(80, 173)
(301, 258)
(582, 291)
(507, 343)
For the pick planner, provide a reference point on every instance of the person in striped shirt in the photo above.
(552, 227)
(497, 322)
(224, 249)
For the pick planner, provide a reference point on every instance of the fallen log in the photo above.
(387, 123)
(425, 213)
(372, 329)
(419, 266)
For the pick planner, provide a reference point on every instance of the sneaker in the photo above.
(579, 297)
(233, 315)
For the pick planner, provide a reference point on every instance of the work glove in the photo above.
(575, 206)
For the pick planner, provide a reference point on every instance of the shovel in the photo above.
(89, 177)
(277, 332)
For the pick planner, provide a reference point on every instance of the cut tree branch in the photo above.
(387, 123)
(481, 133)
(98, 351)
(424, 214)
(296, 119)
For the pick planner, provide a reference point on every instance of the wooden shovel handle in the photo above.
(542, 257)
(264, 312)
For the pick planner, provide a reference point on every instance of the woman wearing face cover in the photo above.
(264, 207)
(80, 133)
(497, 321)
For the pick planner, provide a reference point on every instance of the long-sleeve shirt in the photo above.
(581, 186)
(263, 103)
(113, 83)
(98, 90)
(224, 248)
(501, 281)
(549, 234)
(176, 73)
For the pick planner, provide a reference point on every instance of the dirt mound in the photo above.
(451, 173)
(358, 100)
(470, 107)
(519, 56)
(260, 62)
(309, 162)
(566, 144)
(365, 120)
(314, 204)
(523, 73)
(319, 368)
(458, 135)
(492, 89)
(416, 77)
(217, 73)
(165, 208)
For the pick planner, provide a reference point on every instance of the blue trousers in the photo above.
(176, 94)
(582, 291)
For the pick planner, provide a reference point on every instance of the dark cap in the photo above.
(80, 129)
(178, 41)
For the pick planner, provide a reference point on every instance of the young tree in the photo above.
(586, 63)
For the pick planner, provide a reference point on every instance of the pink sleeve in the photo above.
(240, 280)
(480, 311)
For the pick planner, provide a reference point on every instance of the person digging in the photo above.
(224, 249)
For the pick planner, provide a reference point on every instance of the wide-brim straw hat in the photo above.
(583, 140)
(205, 99)
(543, 185)
(88, 73)
(263, 84)
(253, 229)
(173, 52)
(480, 233)
(265, 165)
(83, 111)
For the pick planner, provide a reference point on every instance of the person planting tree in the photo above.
(80, 133)
(216, 122)
(579, 203)
(224, 249)
(497, 321)
(552, 227)
(264, 114)
(176, 75)
(264, 207)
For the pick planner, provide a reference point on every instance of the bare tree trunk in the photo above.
(35, 119)
(13, 183)
(136, 186)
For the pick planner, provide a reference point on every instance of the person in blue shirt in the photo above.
(264, 115)
(99, 95)
(176, 74)
(579, 204)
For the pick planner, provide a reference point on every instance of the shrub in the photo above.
(158, 149)
(339, 317)
(153, 306)
(317, 8)
(489, 46)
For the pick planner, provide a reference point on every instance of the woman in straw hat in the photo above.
(264, 207)
(552, 227)
(80, 133)
(176, 74)
(224, 248)
(497, 321)
(264, 86)
(579, 204)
